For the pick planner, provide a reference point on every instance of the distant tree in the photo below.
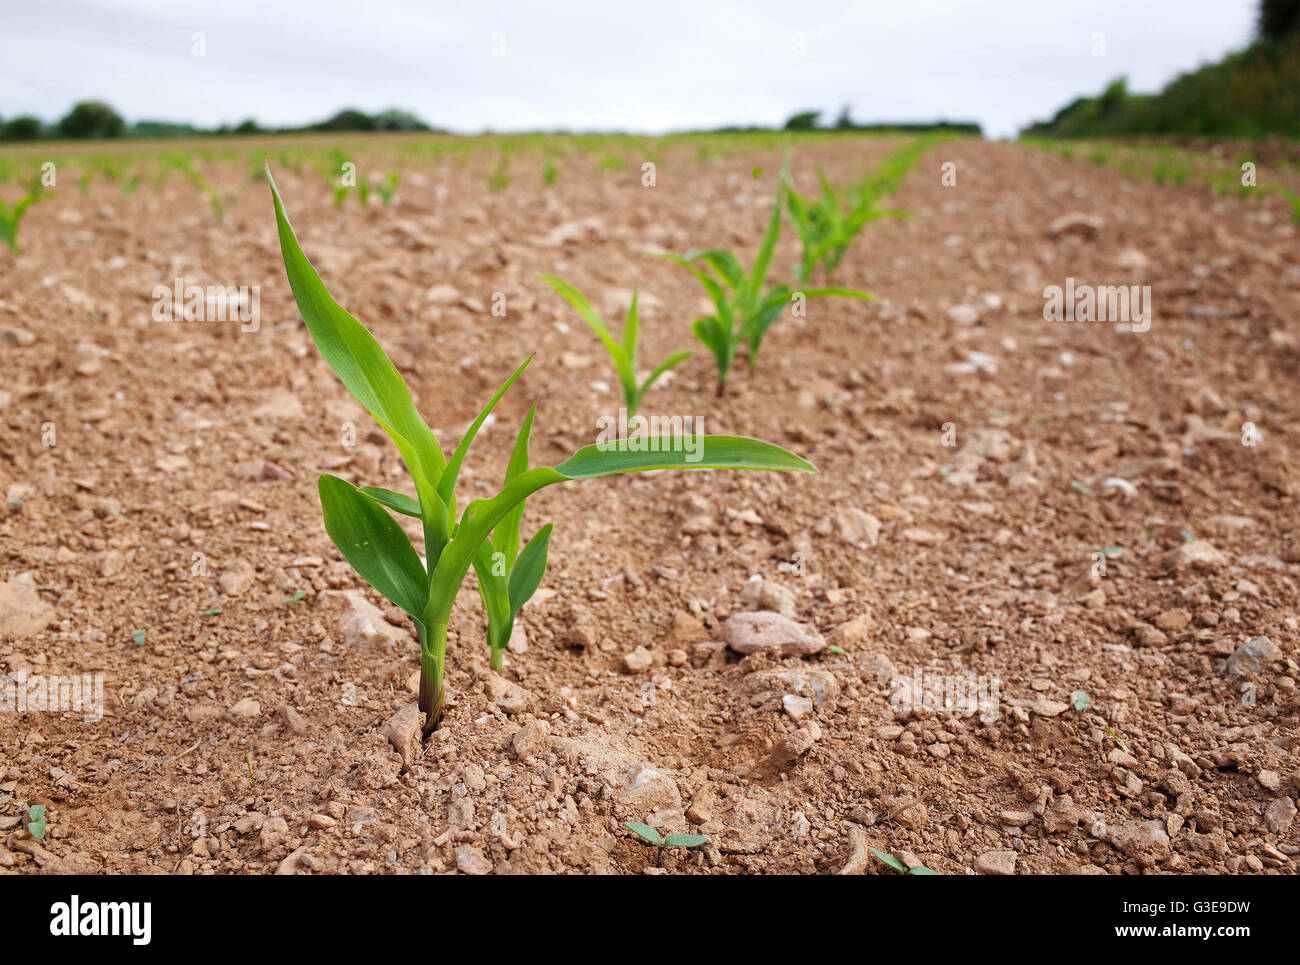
(147, 128)
(347, 120)
(92, 119)
(398, 120)
(1278, 19)
(25, 128)
(1113, 97)
(249, 126)
(845, 121)
(803, 121)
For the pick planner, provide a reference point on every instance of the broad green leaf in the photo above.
(723, 262)
(685, 840)
(835, 291)
(482, 515)
(374, 544)
(361, 364)
(394, 501)
(890, 860)
(644, 831)
(714, 452)
(528, 570)
(921, 870)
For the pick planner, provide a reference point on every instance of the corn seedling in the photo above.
(386, 188)
(549, 173)
(10, 216)
(890, 861)
(1294, 200)
(647, 833)
(745, 308)
(825, 227)
(197, 179)
(499, 179)
(622, 351)
(358, 519)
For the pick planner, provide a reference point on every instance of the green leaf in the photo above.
(890, 860)
(394, 501)
(835, 290)
(505, 538)
(714, 452)
(631, 332)
(619, 353)
(921, 870)
(644, 831)
(526, 575)
(758, 272)
(139, 637)
(723, 262)
(482, 515)
(374, 544)
(685, 840)
(369, 375)
(671, 362)
(293, 599)
(36, 821)
(717, 340)
(711, 286)
(447, 484)
(1082, 701)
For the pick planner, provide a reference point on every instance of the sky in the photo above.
(590, 65)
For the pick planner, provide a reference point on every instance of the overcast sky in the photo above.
(599, 64)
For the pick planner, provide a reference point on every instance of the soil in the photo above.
(968, 454)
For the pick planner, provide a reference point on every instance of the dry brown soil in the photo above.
(250, 740)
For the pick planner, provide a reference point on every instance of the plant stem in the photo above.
(433, 657)
(498, 658)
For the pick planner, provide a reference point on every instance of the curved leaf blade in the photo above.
(526, 575)
(669, 452)
(447, 484)
(374, 544)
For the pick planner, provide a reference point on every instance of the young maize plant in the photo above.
(358, 520)
(1294, 200)
(387, 187)
(622, 352)
(745, 308)
(824, 227)
(10, 216)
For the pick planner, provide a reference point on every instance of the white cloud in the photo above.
(581, 63)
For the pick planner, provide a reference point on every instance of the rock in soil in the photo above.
(764, 631)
